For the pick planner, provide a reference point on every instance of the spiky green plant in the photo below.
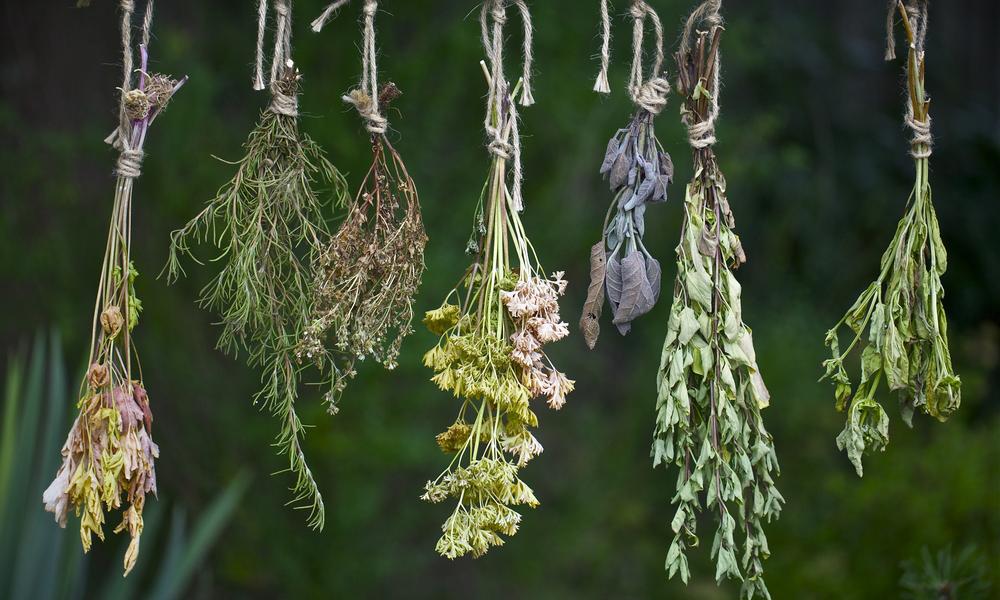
(269, 224)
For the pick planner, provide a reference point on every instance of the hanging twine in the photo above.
(130, 155)
(504, 137)
(601, 84)
(651, 94)
(364, 98)
(284, 100)
(701, 131)
(921, 140)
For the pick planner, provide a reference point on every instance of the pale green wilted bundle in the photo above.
(269, 225)
(710, 392)
(108, 459)
(902, 311)
(493, 328)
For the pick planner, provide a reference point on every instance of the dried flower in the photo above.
(491, 356)
(112, 321)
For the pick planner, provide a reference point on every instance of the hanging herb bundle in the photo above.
(899, 320)
(638, 171)
(268, 224)
(710, 392)
(109, 455)
(493, 327)
(368, 274)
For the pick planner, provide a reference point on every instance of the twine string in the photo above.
(915, 11)
(701, 130)
(601, 83)
(649, 94)
(282, 67)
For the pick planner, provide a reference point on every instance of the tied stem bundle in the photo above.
(493, 328)
(368, 274)
(269, 227)
(899, 322)
(639, 171)
(710, 391)
(109, 454)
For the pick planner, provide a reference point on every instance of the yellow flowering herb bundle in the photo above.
(710, 391)
(902, 311)
(109, 455)
(369, 272)
(494, 328)
(268, 225)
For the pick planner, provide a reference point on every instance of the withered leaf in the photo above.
(594, 305)
(610, 155)
(619, 171)
(654, 274)
(637, 296)
(613, 281)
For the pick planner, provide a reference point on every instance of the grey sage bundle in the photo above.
(898, 322)
(269, 226)
(638, 171)
(109, 455)
(367, 275)
(493, 328)
(710, 391)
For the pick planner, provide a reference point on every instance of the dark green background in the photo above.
(812, 144)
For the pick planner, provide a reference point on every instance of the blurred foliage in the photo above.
(40, 561)
(812, 143)
(946, 576)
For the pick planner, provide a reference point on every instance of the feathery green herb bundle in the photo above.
(638, 170)
(493, 327)
(109, 454)
(268, 224)
(710, 392)
(899, 320)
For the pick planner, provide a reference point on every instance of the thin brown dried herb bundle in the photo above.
(638, 170)
(269, 225)
(710, 391)
(902, 310)
(109, 455)
(368, 274)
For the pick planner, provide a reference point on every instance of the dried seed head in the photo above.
(112, 321)
(97, 376)
(136, 104)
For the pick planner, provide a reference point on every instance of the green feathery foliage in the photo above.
(268, 224)
(710, 392)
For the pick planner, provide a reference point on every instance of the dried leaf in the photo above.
(594, 305)
(654, 274)
(637, 296)
(613, 281)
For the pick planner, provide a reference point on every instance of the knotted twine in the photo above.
(504, 138)
(921, 140)
(650, 94)
(282, 103)
(364, 98)
(701, 132)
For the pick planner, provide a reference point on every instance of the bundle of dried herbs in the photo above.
(367, 276)
(109, 455)
(899, 322)
(269, 226)
(710, 391)
(638, 171)
(493, 327)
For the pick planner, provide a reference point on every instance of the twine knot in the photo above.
(921, 142)
(498, 146)
(701, 134)
(128, 6)
(281, 8)
(129, 163)
(499, 13)
(374, 122)
(652, 95)
(282, 103)
(370, 8)
(638, 11)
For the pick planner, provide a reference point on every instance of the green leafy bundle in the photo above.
(109, 455)
(268, 224)
(710, 392)
(899, 322)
